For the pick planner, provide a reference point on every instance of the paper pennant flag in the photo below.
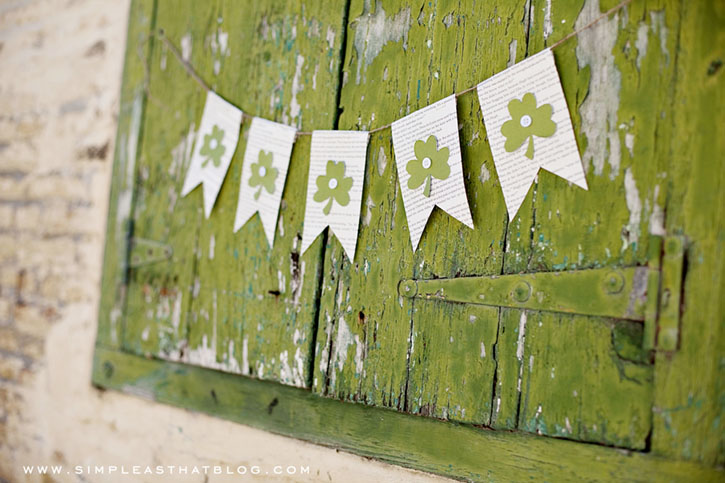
(264, 172)
(528, 127)
(428, 157)
(334, 187)
(215, 144)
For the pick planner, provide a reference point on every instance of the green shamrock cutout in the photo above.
(263, 174)
(333, 185)
(430, 162)
(213, 148)
(527, 121)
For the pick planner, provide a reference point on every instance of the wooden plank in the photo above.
(159, 294)
(255, 309)
(373, 345)
(690, 383)
(617, 78)
(454, 450)
(128, 137)
(576, 385)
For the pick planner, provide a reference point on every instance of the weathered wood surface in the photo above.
(131, 114)
(645, 92)
(455, 450)
(225, 300)
(428, 357)
(689, 411)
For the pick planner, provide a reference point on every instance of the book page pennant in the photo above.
(428, 158)
(529, 127)
(215, 144)
(334, 187)
(266, 160)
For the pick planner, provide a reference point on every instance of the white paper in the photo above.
(350, 148)
(439, 120)
(266, 160)
(213, 152)
(557, 153)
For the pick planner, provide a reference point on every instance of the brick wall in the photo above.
(60, 70)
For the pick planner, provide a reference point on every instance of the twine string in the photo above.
(194, 75)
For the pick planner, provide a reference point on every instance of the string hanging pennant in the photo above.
(215, 144)
(528, 127)
(334, 187)
(430, 170)
(266, 159)
(194, 75)
(522, 142)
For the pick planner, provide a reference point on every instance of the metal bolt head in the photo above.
(613, 282)
(408, 288)
(522, 291)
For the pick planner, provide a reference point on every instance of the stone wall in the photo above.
(60, 71)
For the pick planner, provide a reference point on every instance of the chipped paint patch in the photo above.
(186, 47)
(630, 234)
(330, 37)
(374, 30)
(381, 161)
(212, 245)
(219, 42)
(245, 356)
(657, 218)
(205, 355)
(296, 282)
(325, 355)
(485, 174)
(292, 375)
(520, 347)
(641, 43)
(512, 53)
(294, 106)
(659, 26)
(548, 26)
(599, 109)
(176, 313)
(369, 205)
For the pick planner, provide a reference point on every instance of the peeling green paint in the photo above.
(643, 89)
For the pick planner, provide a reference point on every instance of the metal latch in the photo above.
(649, 294)
(144, 252)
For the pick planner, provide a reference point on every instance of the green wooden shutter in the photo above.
(591, 316)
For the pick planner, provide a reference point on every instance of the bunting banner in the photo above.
(528, 127)
(334, 187)
(428, 158)
(266, 159)
(215, 144)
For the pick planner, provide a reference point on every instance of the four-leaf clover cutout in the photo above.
(527, 121)
(333, 185)
(213, 148)
(430, 162)
(263, 174)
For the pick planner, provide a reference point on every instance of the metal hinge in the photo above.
(648, 294)
(144, 252)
